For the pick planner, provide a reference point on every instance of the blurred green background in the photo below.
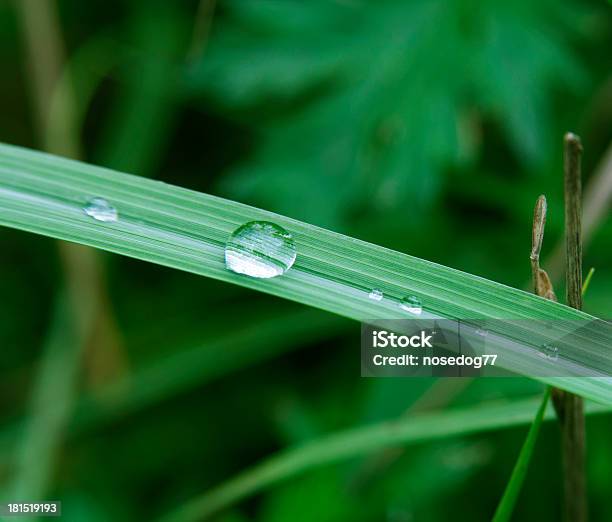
(425, 126)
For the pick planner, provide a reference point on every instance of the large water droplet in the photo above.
(100, 210)
(260, 249)
(550, 351)
(411, 304)
(376, 295)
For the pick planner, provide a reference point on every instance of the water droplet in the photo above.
(376, 295)
(411, 304)
(550, 351)
(481, 332)
(100, 210)
(260, 249)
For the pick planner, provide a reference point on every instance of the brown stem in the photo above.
(570, 408)
(57, 132)
(573, 214)
(597, 196)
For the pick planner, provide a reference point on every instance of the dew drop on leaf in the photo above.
(100, 210)
(411, 304)
(550, 351)
(260, 249)
(376, 295)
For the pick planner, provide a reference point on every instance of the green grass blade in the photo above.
(506, 504)
(358, 442)
(258, 339)
(587, 281)
(50, 409)
(187, 230)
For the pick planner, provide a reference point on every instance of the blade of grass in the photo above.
(51, 404)
(194, 363)
(355, 443)
(258, 339)
(187, 230)
(513, 488)
(587, 281)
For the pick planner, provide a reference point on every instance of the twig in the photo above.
(597, 196)
(573, 457)
(573, 214)
(569, 407)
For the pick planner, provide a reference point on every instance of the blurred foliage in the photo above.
(426, 126)
(383, 100)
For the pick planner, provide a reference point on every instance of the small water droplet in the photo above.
(411, 304)
(376, 295)
(550, 351)
(481, 332)
(100, 210)
(260, 249)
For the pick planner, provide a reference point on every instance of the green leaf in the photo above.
(356, 442)
(187, 230)
(506, 504)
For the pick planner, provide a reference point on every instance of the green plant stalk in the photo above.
(140, 122)
(187, 230)
(51, 404)
(506, 505)
(201, 29)
(587, 281)
(358, 442)
(84, 296)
